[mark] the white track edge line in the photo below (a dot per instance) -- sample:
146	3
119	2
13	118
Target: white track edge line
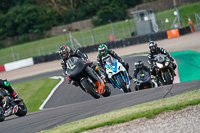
52	91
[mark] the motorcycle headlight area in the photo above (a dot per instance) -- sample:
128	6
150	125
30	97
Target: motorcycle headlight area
166	63
159	65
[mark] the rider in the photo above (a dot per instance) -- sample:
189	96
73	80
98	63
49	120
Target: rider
138	66
65	52
154	50
103	51
6	85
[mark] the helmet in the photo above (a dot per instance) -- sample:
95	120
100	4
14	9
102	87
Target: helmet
64	52
152	46
102	49
139	64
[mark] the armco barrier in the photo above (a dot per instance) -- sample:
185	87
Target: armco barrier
18	64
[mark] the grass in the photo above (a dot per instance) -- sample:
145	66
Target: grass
148	110
122	29
35	92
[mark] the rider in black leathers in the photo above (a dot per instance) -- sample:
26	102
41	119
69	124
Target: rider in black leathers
103	51
154	50
138	66
65	52
6	85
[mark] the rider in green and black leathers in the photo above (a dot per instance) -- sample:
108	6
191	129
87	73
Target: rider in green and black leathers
103	51
6	85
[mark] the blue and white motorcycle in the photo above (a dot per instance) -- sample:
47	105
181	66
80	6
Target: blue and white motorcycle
117	74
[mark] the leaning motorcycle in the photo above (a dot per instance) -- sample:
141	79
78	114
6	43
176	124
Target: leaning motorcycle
10	106
87	78
164	69
117	74
144	81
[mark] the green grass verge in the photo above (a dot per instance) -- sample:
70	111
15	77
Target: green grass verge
35	92
148	110
122	29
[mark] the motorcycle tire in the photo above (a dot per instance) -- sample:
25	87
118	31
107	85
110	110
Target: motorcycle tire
2	117
93	92
22	109
167	78
122	84
107	92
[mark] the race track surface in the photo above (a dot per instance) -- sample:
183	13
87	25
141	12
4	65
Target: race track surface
53	117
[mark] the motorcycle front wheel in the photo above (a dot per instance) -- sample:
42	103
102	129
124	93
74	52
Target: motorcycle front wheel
93	92
122	84
107	92
22	110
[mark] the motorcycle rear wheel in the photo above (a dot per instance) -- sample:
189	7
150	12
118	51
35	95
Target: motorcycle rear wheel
94	93
2	117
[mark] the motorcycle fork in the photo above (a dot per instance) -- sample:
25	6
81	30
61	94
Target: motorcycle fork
170	73
162	76
93	74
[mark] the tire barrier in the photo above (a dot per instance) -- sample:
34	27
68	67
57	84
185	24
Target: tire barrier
46	58
184	30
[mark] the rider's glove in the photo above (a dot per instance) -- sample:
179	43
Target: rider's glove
134	80
88	62
172	59
69	80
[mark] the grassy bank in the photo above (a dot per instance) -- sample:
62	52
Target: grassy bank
35	92
122	29
148	110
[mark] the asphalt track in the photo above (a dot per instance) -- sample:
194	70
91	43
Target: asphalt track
71	103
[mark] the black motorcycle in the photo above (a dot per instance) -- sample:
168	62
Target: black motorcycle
144	81
164	69
10	106
86	78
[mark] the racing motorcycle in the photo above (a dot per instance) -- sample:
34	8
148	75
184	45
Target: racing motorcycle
164	69
10	106
117	74
86	78
144	81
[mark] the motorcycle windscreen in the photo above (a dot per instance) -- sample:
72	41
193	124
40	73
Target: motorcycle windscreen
143	76
112	67
160	58
75	66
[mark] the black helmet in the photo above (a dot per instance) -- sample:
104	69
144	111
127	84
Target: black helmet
152	46
64	52
139	64
102	49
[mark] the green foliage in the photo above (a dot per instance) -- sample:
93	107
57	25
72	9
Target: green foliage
35	16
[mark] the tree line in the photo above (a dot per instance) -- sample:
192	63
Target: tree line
20	17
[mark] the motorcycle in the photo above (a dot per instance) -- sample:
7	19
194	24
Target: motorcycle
164	69
117	74
144	81
10	106
86	78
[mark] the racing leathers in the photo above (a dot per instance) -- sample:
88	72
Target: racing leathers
6	85
151	56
